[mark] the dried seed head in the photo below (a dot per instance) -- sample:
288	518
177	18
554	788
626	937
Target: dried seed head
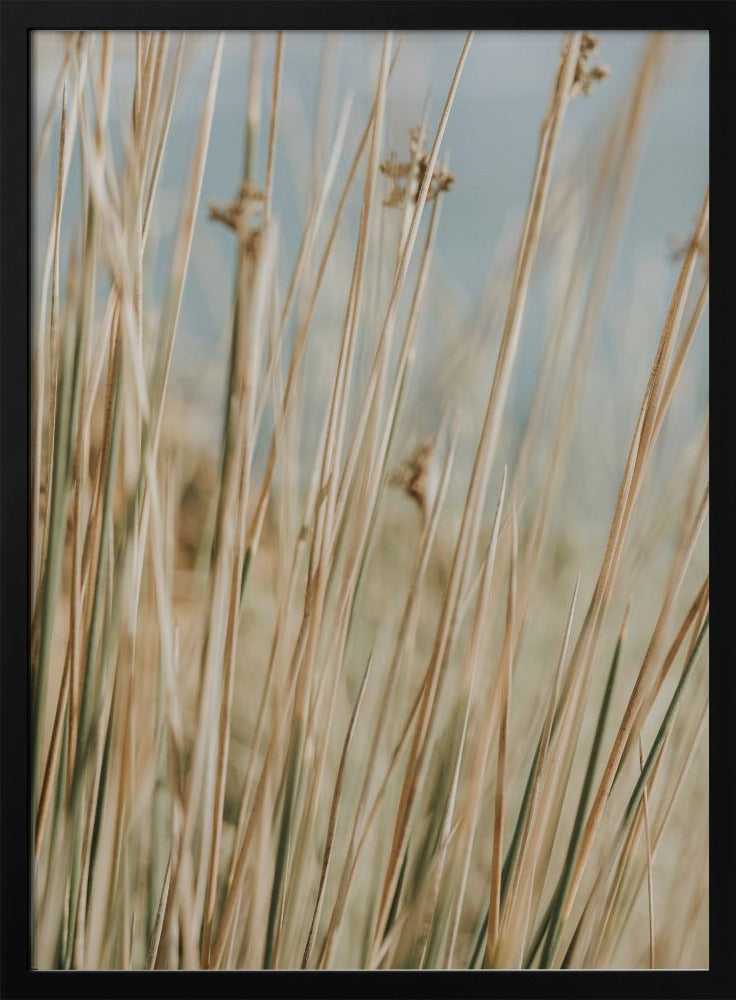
407	177
244	214
588	44
586	76
417	475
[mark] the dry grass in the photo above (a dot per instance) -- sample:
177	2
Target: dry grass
284	717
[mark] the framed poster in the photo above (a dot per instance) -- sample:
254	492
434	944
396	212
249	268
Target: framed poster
359	584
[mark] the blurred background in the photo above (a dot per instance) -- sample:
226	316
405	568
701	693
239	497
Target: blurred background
491	142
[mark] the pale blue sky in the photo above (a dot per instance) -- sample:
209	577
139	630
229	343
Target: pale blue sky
491	137
491	140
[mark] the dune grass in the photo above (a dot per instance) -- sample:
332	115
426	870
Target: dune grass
321	742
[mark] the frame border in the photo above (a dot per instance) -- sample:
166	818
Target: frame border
17	20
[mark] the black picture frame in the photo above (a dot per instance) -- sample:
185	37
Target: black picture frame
17	21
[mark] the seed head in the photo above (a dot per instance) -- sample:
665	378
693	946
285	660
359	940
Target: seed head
407	177
243	214
586	76
416	475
